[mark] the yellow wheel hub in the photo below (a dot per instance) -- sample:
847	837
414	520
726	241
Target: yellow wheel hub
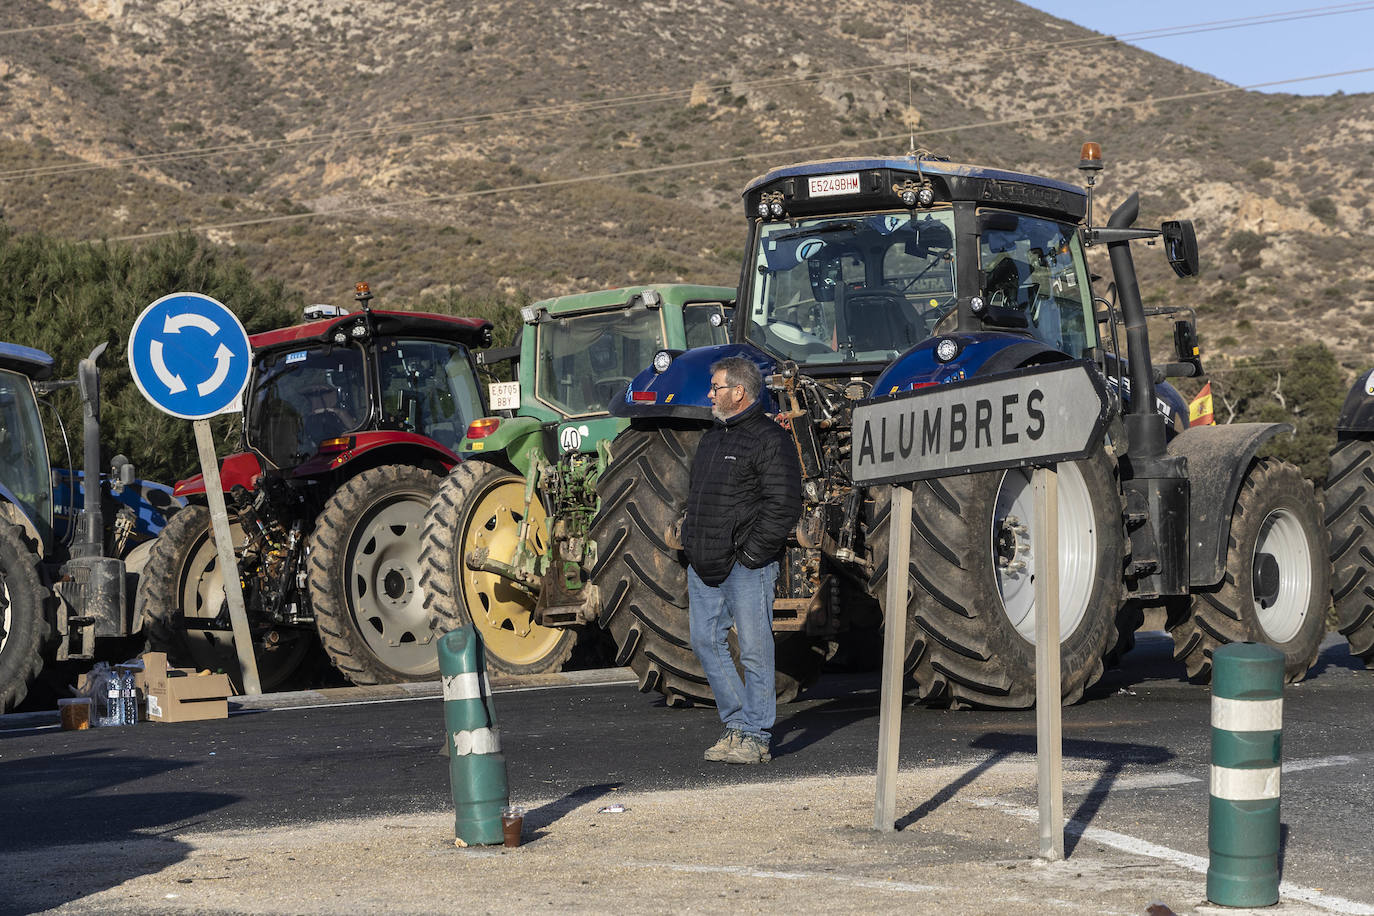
502	612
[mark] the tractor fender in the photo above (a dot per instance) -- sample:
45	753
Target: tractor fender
361	451
517	441
680	390
1218	458
242	468
1356	420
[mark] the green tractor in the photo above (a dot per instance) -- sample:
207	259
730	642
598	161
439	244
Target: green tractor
504	544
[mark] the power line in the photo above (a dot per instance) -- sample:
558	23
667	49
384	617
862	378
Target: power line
573	108
725	160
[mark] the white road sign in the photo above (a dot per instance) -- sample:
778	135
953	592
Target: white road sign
1039	415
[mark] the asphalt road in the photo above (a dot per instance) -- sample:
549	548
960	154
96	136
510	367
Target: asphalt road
1144	729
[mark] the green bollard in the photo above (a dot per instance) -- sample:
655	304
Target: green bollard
477	768
1243	812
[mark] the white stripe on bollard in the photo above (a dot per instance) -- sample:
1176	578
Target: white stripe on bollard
471	685
1247	715
1231	784
477	741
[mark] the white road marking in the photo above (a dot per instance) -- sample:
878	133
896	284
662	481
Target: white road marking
1182	859
746	872
1171	778
1315	763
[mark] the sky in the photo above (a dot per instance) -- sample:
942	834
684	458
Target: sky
1333	37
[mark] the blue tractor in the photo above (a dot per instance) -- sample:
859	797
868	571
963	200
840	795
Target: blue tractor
64	594
870	276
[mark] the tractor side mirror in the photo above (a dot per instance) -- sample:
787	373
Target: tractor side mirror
1180	245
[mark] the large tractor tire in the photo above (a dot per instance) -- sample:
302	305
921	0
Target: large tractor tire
1350	525
643	581
480	504
1277	583
24	627
970	632
364	578
185	611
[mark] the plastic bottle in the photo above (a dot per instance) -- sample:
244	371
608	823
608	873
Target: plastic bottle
129	695
114	701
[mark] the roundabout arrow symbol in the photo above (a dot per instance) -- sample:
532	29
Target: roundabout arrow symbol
174	323
173	382
223	356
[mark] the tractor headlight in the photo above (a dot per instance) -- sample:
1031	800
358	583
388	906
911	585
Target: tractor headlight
662	360
946	349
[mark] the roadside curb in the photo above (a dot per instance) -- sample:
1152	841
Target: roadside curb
339	696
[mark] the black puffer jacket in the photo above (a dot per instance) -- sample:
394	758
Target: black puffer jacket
745	496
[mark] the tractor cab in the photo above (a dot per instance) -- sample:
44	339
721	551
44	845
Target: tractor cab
854	262
25	477
364	374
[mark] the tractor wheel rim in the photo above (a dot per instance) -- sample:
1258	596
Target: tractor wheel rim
1282	546
383	591
1015	557
502	613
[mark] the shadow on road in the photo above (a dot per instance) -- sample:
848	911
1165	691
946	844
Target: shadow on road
536	819
1115	756
81	798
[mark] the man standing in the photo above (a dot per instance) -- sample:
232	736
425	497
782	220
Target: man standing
744	501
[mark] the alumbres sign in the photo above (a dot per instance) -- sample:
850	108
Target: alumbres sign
1039	415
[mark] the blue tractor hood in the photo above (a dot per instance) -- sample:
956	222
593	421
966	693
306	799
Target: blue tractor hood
681	389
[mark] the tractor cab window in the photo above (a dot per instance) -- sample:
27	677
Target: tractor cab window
25	477
300	398
428	388
851	288
706	324
1036	266
585	360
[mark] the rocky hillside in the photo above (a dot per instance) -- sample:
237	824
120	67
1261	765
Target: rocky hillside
497	150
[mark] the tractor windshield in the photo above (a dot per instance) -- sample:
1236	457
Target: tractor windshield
25	478
303	397
585	360
851	288
428	387
1035	266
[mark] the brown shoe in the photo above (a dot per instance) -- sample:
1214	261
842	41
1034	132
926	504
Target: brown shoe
728	741
749	749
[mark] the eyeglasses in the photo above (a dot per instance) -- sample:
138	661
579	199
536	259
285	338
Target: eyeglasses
715	388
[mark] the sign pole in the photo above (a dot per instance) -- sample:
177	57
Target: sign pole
228	563
894	658
1049	739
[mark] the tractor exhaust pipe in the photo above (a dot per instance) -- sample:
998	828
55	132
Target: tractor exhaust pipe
88	381
1144	425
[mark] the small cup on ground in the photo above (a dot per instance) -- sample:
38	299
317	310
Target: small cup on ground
75	713
512	823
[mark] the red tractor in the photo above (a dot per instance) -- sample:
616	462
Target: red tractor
350	421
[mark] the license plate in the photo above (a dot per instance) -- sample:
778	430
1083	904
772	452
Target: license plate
832	185
504	395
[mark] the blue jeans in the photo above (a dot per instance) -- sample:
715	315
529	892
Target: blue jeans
745	601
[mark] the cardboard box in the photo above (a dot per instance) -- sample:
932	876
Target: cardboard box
180	694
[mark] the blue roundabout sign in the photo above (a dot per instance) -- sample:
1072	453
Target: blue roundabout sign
190	356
